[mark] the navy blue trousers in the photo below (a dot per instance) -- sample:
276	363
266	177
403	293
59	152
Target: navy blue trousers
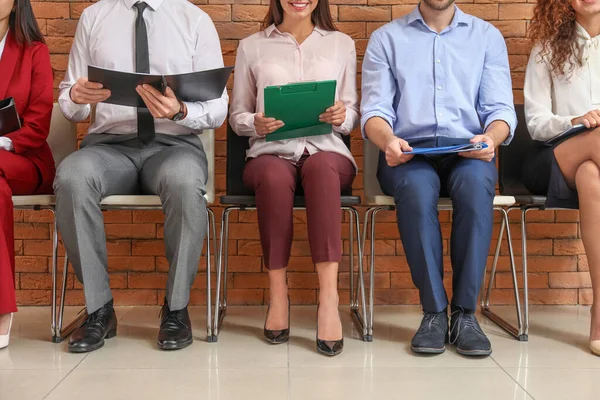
416	187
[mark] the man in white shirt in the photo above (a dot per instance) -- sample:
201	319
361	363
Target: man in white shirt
153	150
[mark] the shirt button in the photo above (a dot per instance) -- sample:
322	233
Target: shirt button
438	61
439	88
440	114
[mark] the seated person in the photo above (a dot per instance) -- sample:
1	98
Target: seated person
438	77
562	89
299	43
153	150
26	163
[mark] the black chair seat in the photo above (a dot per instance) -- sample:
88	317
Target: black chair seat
531	200
299	201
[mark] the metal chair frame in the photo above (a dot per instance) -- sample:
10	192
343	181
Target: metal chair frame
358	309
519	332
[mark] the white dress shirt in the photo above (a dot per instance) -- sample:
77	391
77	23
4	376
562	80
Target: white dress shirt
271	57
551	102
5	143
181	38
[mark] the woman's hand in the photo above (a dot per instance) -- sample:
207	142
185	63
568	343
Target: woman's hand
264	125
335	115
589	120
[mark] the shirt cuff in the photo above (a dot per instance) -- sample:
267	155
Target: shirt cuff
244	125
506	116
70	108
366	117
6	144
194	111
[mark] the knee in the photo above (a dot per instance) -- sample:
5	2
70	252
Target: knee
416	196
74	174
321	164
274	180
185	180
587	176
474	186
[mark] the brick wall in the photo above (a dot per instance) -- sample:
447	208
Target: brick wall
136	261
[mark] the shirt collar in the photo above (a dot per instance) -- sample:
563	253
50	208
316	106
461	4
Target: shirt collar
272	28
154	4
460	18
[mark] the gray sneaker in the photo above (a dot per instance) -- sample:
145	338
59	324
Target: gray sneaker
432	335
467	335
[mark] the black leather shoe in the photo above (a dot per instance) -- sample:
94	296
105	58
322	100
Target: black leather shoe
328	347
466	333
432	335
277	336
100	325
175	329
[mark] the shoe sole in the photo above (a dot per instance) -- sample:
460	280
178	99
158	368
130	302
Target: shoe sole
109	335
427	350
474	353
177	346
277	341
325	353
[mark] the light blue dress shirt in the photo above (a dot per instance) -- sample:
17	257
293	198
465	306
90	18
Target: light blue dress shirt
446	86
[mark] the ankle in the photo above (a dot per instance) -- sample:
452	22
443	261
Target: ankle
329	298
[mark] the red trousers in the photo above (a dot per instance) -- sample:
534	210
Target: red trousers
323	176
19	176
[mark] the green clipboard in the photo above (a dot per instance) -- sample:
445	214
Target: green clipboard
299	105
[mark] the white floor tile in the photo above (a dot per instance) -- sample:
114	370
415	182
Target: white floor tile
405	383
559	384
28	385
127	384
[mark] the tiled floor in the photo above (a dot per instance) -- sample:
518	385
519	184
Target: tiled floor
554	364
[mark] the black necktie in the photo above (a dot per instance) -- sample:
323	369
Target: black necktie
145	121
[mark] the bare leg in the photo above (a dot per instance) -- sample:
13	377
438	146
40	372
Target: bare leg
278	318
588	187
330	326
4	322
579	160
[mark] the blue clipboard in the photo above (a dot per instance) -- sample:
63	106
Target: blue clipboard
461	148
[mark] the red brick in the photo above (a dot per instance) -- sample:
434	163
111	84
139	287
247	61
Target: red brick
129	263
61	27
361	13
516	11
50	9
133	231
147	281
356	30
236	30
218	12
31	264
32	231
568	247
569	280
147	248
246	12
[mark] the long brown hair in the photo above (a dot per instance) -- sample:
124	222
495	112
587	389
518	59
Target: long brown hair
321	15
23	24
553	27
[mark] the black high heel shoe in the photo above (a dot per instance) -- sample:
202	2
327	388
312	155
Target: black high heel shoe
277	336
328	347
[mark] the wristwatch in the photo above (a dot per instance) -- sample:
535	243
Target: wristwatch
179	116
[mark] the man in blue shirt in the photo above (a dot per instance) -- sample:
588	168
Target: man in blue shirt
440	77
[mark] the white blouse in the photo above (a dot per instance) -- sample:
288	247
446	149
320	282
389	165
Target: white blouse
551	102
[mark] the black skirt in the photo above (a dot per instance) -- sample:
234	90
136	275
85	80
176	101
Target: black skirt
542	176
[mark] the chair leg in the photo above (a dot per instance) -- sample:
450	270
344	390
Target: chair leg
222	266
516	332
54	322
63	333
353	304
525	269
210	223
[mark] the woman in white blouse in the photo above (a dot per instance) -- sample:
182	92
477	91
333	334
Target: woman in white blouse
299	43
562	89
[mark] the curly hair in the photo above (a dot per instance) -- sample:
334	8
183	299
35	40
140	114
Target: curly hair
553	28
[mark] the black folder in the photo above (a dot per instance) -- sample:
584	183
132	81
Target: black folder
569	133
9	117
191	87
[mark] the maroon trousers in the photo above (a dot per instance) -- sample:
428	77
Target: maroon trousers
323	176
19	176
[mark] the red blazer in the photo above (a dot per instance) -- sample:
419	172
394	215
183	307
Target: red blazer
26	75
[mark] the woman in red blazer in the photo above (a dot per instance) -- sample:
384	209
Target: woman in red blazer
26	163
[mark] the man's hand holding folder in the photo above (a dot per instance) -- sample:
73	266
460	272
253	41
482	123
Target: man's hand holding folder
86	92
